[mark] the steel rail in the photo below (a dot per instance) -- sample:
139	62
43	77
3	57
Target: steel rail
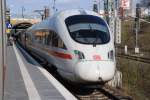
141	59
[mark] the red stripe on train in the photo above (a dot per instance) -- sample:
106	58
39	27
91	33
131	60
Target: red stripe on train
61	55
55	53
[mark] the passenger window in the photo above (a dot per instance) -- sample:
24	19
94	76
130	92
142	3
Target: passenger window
38	36
54	39
49	38
46	37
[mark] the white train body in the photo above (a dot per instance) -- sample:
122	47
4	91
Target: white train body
78	42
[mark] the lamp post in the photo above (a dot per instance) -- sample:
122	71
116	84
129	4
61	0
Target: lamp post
22	12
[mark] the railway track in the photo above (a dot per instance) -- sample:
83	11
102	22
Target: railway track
132	49
105	93
136	58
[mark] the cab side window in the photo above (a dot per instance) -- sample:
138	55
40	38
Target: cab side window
54	40
61	44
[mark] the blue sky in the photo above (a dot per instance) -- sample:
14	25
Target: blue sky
31	5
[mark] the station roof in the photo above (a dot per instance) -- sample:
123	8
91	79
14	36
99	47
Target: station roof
23	25
20	26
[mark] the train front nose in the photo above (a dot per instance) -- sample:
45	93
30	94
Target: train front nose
94	71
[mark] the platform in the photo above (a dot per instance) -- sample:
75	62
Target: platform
25	79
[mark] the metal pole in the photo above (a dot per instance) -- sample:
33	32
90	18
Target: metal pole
54	6
42	15
23	9
136	36
106	10
99	7
46	12
115	16
136	44
2	47
137	28
1	58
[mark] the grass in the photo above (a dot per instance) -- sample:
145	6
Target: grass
136	78
136	75
128	34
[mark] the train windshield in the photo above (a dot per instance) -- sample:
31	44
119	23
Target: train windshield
88	29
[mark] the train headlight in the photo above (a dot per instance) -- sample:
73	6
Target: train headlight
79	54
111	55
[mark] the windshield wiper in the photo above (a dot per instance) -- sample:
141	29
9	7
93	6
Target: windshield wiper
90	27
95	41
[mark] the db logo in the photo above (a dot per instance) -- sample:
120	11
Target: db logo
96	57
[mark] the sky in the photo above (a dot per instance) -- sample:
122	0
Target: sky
31	5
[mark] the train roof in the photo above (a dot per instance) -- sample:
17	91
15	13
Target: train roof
62	15
66	13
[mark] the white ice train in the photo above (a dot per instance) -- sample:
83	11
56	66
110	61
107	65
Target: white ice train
77	42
